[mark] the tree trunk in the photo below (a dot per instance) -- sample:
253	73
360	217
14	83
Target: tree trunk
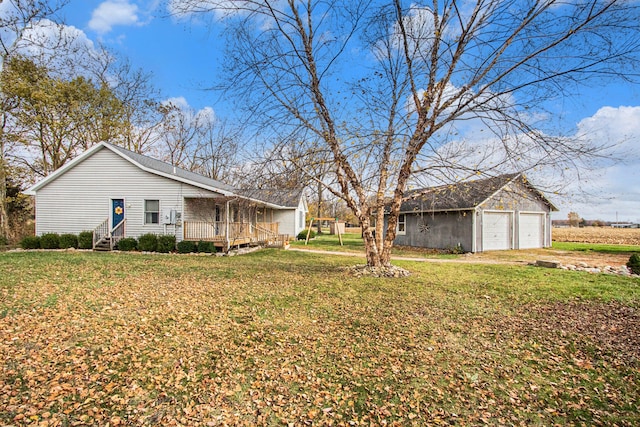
4	220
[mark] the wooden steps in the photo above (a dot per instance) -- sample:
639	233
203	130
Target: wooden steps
104	245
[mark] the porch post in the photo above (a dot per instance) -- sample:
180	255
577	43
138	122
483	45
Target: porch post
227	225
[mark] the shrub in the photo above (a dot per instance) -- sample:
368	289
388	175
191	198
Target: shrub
127	244
85	240
148	242
303	234
30	242
187	247
634	264
457	249
166	243
68	241
50	241
4	241
206	247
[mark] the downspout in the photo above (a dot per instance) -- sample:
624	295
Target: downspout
474	229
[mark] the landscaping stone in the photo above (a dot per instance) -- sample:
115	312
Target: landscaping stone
623	270
548	264
391	271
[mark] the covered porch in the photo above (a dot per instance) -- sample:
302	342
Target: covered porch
229	222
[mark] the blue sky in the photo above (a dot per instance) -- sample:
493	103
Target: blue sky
184	58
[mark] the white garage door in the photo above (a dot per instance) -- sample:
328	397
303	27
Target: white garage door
496	231
530	231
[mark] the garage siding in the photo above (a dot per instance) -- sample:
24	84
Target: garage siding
443	230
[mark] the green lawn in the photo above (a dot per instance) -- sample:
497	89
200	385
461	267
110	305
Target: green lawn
353	243
595	247
280	337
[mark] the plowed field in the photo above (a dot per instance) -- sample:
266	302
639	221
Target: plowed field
601	235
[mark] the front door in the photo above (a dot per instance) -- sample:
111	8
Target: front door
117	212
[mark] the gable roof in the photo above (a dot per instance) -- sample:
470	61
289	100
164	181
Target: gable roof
163	169
143	162
466	195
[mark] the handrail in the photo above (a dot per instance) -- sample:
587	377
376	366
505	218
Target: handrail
117	233
100	231
263	234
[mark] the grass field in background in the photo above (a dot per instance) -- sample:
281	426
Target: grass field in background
280	337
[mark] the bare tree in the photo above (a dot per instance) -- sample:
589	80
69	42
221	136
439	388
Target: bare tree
141	116
216	149
431	68
178	131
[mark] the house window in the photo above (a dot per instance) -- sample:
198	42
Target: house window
301	219
152	211
402	224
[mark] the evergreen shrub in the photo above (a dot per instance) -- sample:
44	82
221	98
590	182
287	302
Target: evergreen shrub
187	247
303	234
68	241
85	240
166	243
634	264
30	242
206	247
50	241
127	244
148	242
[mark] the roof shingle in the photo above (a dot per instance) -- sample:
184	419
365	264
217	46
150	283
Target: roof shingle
461	196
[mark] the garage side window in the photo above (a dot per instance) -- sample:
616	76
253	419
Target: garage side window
402	224
152	211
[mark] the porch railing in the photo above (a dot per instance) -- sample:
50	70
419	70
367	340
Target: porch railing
237	231
100	232
118	232
115	234
265	234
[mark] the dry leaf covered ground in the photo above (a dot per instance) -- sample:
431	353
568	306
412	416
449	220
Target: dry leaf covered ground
288	338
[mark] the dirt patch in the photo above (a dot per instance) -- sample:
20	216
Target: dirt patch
592	259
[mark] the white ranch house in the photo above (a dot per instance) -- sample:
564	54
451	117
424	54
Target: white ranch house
118	193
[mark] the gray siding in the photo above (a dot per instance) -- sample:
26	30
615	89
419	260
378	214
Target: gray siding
441	230
80	198
515	197
445	230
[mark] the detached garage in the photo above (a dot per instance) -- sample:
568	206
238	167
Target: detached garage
499	213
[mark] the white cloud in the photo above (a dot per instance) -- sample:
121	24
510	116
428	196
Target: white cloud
179	102
611	192
111	13
62	48
606	189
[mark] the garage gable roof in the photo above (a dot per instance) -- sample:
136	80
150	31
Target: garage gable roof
464	195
